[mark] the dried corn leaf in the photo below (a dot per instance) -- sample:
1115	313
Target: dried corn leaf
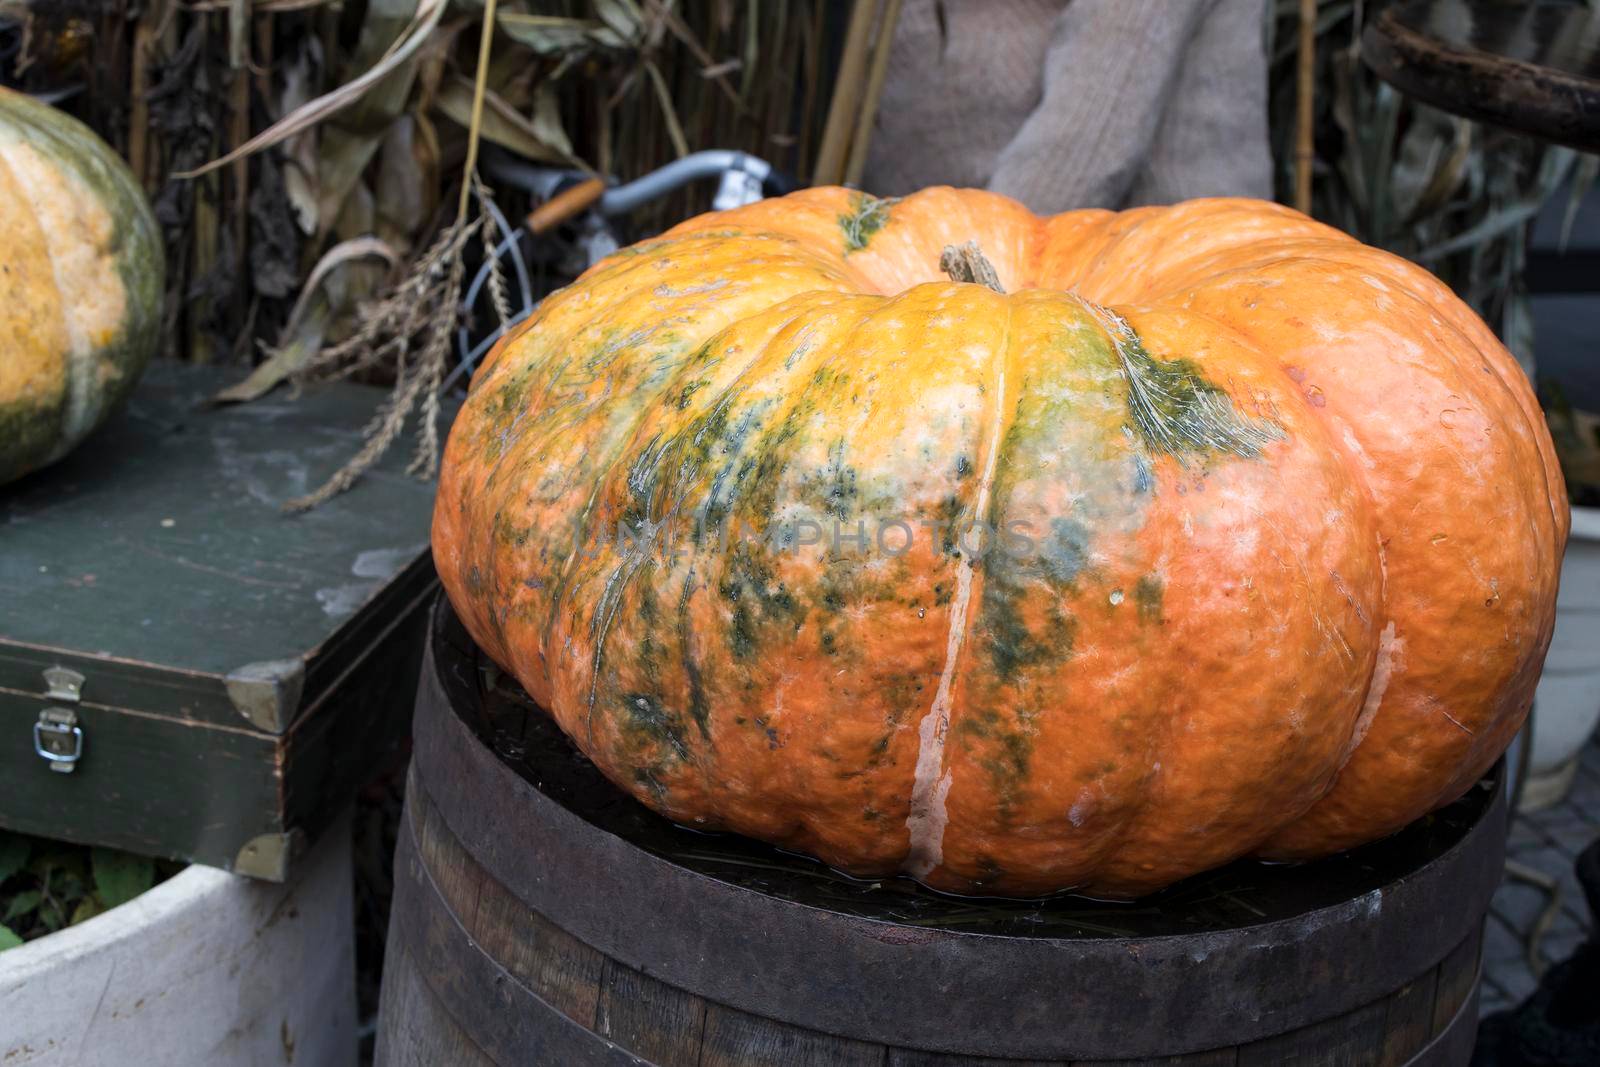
1576	434
1447	176
423	23
669	111
501	123
405	186
342	158
259	6
547	120
309	320
1583	178
300	175
1509	216
555	36
282	363
623	17
350	143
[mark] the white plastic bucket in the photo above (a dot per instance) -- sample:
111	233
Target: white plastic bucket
206	968
1567	703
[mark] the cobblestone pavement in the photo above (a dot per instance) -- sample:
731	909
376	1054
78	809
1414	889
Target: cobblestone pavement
1546	841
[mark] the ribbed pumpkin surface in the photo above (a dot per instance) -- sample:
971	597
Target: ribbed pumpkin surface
80	283
1218	533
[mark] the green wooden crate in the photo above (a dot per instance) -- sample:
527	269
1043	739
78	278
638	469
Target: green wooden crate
226	675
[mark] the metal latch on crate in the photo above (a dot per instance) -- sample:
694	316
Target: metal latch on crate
57	737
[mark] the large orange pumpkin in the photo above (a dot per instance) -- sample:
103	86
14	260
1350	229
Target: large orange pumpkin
1216	533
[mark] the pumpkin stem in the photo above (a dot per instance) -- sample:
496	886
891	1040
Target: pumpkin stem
967	263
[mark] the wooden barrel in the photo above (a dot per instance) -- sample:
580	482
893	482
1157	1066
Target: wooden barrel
542	917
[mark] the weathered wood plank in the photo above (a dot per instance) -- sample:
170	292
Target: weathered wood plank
905	1057
553	964
734	1039
562	970
510	1023
1458	976
417	1031
653	1020
457	875
1222	1057
1348	1040
1410	1022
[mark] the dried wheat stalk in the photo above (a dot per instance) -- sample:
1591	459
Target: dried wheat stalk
424	304
408	328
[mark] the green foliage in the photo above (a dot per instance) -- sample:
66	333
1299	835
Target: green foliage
13	854
1577	439
22	903
121	876
47	885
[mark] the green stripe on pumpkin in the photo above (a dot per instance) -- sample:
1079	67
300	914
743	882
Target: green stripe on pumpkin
867	215
1175	409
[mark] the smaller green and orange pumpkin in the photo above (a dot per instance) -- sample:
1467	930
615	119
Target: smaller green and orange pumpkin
81	281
